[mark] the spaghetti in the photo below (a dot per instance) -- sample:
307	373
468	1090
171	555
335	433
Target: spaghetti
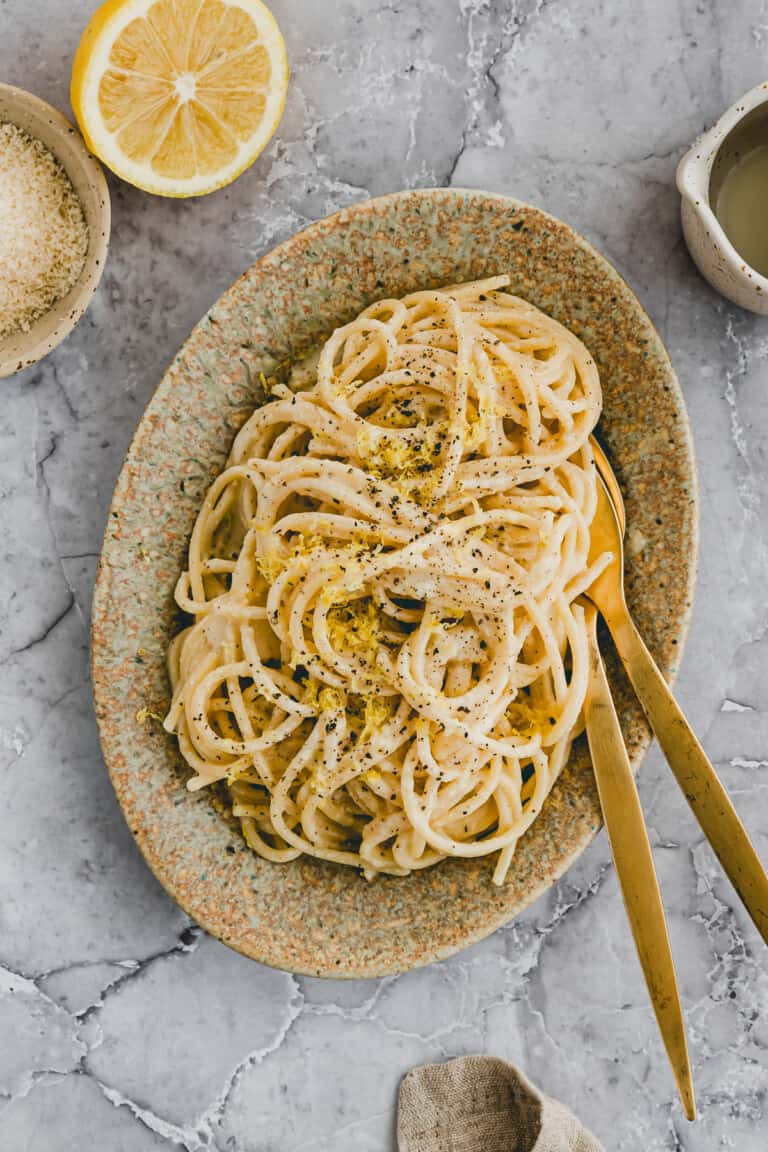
388	659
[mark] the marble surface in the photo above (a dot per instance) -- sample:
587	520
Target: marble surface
124	1027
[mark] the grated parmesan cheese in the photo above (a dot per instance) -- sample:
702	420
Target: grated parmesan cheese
43	234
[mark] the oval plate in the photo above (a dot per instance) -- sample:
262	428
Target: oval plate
308	916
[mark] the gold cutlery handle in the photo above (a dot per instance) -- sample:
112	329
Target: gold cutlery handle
693	771
635	869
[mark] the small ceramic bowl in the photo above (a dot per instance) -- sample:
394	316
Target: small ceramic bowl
20	349
699	178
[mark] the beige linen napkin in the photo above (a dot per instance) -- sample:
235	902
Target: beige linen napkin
481	1104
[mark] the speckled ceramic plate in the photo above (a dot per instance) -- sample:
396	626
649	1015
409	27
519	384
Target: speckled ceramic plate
309	916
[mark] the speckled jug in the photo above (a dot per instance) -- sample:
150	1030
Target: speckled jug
715	256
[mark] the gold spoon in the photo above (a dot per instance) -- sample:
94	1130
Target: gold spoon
694	773
609	479
633	860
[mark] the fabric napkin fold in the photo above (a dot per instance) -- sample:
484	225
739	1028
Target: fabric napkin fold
481	1104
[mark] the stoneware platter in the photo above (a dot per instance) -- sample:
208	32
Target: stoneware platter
309	916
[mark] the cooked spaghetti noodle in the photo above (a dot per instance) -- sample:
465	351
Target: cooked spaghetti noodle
388	661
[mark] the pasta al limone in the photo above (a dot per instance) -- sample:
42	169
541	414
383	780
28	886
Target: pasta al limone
388	659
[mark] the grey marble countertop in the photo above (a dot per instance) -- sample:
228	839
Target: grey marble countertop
125	1028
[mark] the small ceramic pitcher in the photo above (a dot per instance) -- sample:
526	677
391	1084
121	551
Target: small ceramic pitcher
698	181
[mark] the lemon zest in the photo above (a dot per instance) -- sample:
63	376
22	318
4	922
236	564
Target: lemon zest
144	714
527	719
323	698
410	467
355	625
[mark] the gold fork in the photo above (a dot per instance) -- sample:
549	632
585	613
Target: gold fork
692	769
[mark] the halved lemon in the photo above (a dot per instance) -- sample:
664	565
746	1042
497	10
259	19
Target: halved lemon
179	96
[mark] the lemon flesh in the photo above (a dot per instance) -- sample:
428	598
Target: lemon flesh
179	96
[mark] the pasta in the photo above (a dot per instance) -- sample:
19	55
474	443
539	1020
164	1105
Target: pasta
388	659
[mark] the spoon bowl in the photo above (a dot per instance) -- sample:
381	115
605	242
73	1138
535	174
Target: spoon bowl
607	590
608	477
